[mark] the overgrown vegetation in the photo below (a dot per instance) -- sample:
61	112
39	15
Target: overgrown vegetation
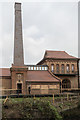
30	109
72	114
79	104
41	108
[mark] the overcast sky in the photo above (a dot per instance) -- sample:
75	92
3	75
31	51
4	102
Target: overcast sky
46	26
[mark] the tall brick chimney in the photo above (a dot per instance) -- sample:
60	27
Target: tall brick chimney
18	69
18	39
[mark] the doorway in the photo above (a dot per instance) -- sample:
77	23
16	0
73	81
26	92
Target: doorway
19	87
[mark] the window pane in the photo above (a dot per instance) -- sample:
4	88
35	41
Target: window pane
37	68
52	68
34	68
72	68
28	68
67	68
46	68
57	68
62	68
31	68
40	68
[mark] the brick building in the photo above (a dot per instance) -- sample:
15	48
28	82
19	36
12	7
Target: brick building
57	70
63	66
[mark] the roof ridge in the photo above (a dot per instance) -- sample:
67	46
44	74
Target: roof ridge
54	51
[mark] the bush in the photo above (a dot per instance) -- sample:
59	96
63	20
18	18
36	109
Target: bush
32	109
79	104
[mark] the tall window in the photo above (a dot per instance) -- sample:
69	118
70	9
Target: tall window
67	68
72	67
62	68
52	68
57	68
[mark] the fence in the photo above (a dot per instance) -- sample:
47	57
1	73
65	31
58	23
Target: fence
57	96
31	92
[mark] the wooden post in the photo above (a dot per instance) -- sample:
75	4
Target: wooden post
67	97
6	100
53	98
71	98
34	97
61	86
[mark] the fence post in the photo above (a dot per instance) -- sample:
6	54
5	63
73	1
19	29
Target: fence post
61	86
67	97
61	99
53	98
34	97
6	100
78	96
70	97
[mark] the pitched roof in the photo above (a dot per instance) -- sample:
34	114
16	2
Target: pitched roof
4	71
41	76
58	55
34	76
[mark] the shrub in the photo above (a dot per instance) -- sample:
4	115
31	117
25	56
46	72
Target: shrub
32	109
79	104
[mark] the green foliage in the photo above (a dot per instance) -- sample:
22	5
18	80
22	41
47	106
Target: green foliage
79	104
68	104
32	109
60	105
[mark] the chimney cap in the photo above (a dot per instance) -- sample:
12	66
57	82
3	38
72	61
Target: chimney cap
17	3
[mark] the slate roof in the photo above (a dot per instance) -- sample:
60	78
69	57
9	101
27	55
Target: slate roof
58	54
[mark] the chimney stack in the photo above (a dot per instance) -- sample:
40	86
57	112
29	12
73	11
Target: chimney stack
18	39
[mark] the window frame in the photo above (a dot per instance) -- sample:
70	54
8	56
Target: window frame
67	68
52	67
57	68
62	68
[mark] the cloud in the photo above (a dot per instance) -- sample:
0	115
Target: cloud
7	50
51	26
31	31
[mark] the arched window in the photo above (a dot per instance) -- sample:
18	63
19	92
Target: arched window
57	68
72	67
67	68
62	68
66	83
52	68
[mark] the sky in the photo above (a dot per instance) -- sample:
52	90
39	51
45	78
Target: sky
46	26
